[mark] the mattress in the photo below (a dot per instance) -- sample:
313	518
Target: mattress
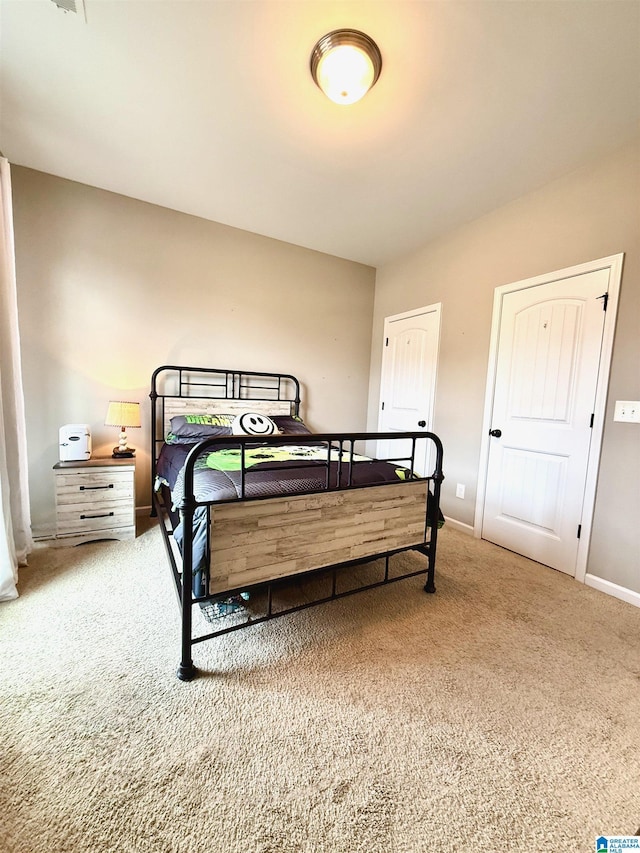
270	470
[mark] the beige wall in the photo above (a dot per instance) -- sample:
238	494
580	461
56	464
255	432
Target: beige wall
107	285
587	215
109	288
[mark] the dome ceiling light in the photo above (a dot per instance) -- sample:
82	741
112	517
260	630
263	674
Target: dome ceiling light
345	64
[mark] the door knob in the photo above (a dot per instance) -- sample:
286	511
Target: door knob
496	433
422	423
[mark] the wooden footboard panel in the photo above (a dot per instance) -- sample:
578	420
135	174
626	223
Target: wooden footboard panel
263	540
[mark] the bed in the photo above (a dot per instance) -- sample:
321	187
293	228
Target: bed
251	503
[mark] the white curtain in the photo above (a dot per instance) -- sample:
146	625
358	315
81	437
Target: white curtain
15	533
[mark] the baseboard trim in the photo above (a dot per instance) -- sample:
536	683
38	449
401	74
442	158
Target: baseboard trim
459	525
44	535
609	588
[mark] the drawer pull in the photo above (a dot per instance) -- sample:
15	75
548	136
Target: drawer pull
93	488
102	515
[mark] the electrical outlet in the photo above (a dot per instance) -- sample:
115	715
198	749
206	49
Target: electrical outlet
460	491
628	411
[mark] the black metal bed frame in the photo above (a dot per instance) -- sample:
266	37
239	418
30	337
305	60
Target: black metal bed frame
233	385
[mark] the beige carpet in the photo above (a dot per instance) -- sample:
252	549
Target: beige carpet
503	713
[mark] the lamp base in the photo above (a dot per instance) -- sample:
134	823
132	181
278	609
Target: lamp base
118	453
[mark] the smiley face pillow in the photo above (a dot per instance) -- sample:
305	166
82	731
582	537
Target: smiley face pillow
252	423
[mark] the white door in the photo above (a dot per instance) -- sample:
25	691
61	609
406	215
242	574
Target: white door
408	382
548	358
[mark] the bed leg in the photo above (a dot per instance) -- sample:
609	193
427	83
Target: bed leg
430	585
187	672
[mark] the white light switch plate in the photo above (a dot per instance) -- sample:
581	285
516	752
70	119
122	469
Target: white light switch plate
627	410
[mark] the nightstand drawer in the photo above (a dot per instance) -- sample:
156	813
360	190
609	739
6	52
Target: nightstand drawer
94	487
81	519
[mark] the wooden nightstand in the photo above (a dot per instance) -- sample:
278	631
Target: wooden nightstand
95	500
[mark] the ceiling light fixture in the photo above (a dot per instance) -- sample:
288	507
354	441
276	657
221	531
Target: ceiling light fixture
345	64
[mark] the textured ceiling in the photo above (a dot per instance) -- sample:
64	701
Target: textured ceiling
208	107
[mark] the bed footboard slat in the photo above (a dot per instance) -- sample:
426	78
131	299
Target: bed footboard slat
289	535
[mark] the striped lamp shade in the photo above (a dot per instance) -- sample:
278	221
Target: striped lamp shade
123	414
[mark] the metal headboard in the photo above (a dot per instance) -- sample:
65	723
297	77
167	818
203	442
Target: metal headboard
178	389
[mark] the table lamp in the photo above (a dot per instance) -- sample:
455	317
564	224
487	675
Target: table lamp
123	415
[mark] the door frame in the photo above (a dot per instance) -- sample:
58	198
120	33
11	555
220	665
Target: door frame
612	263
